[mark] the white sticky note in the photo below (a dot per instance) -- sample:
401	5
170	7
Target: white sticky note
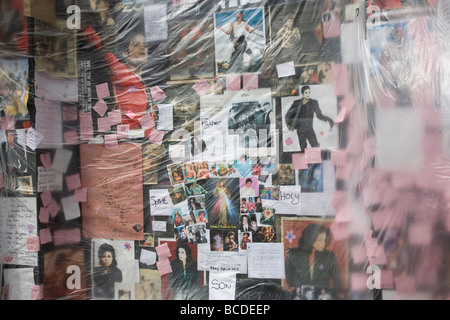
71	208
61	159
159	226
165	117
147	257
222	285
286	69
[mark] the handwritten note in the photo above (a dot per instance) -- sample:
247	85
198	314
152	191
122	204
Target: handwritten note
266	260
113	178
49	178
160	202
222	285
286	69
18	220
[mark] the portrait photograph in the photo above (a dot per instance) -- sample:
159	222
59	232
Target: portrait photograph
176	173
177	194
191	49
313	126
239	40
185	278
301	237
149	285
296	33
112	267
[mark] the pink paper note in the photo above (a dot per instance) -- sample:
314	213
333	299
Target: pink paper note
338	158
420	233
164	266
130	114
111	141
341	116
358	253
313	155
233	82
100	107
250	82
37	292
163	251
66	236
341	82
103	125
86	126
45	236
157	93
102	90
201	87
299	161
46	160
54	208
405	284
46	198
358	281
44	214
7	123
156	136
332	29
73	181
340	231
122	131
348	102
69	113
33	243
71	137
147	122
115	117
80	195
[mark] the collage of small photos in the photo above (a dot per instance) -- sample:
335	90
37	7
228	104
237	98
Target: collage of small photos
154	148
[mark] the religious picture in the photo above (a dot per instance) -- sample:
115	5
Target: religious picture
222	202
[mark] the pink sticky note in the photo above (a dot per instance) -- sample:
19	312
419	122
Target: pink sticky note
7	123
358	253
157	93
111	141
164	266
313	155
100	107
358	281
348	102
46	160
299	161
102	90
69	113
385	281
250	81
71	137
201	87
86	126
33	243
122	131
233	82
147	122
66	236
54	208
340	231
130	114
338	158
115	117
73	181
341	82
46	198
37	292
405	284
156	136
331	29
420	233
45	236
80	195
103	125
341	116
163	251
44	214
